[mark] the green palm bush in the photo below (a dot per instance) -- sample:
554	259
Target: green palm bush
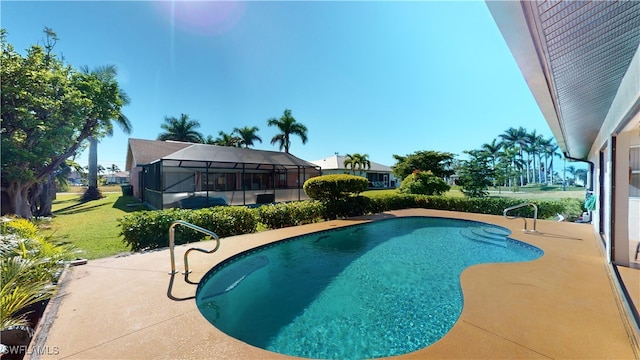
29	266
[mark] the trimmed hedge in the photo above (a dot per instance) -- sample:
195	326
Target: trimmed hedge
334	187
275	216
570	208
423	182
147	230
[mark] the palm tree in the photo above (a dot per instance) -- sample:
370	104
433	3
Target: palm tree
533	147
287	126
182	129
550	152
247	135
516	138
362	161
107	75
114	168
493	152
350	162
225	139
359	161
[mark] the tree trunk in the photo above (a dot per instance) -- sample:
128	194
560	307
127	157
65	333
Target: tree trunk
42	198
93	193
18	199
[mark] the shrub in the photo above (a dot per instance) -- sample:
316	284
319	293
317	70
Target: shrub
334	187
347	207
150	229
424	183
275	216
570	208
29	266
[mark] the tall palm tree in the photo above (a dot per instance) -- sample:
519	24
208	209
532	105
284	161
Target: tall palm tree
532	147
516	138
181	129
493	152
287	126
247	135
551	152
107	75
225	139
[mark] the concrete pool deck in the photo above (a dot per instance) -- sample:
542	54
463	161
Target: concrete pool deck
563	305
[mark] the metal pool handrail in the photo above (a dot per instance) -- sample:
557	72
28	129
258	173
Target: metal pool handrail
535	215
172	244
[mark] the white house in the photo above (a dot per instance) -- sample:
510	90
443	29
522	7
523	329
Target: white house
379	176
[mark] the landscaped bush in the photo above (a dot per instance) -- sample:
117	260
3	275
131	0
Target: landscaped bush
569	208
347	207
423	183
29	267
275	216
333	187
150	229
336	192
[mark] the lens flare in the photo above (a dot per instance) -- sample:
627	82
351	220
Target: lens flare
202	17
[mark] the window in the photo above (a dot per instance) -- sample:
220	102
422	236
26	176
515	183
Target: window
634	171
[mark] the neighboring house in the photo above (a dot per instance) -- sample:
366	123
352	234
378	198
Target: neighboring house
581	61
379	176
120	177
75	178
168	174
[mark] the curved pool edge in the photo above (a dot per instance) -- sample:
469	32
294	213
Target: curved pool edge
489	289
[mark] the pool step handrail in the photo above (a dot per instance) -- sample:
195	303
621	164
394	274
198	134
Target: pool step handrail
172	237
535	215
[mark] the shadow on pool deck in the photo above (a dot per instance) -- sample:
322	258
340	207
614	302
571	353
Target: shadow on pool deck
563	305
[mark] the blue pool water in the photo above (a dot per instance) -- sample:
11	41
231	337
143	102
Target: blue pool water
379	289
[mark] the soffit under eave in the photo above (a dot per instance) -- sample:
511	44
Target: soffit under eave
512	21
624	114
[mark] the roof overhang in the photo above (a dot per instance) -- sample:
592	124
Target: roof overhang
577	58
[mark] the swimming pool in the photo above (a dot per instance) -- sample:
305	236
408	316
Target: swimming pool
378	289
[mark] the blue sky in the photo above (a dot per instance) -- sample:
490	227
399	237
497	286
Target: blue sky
379	78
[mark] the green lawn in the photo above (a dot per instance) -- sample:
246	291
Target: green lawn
91	227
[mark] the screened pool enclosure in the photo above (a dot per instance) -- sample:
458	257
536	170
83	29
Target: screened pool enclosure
201	175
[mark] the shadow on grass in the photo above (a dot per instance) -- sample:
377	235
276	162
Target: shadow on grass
77	208
129	204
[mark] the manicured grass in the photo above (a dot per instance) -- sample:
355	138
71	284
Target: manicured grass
104	189
91	227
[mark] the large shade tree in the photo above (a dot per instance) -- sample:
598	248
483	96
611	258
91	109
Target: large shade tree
181	129
439	163
48	110
288	126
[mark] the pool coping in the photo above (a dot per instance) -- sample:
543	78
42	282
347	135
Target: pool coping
118	307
